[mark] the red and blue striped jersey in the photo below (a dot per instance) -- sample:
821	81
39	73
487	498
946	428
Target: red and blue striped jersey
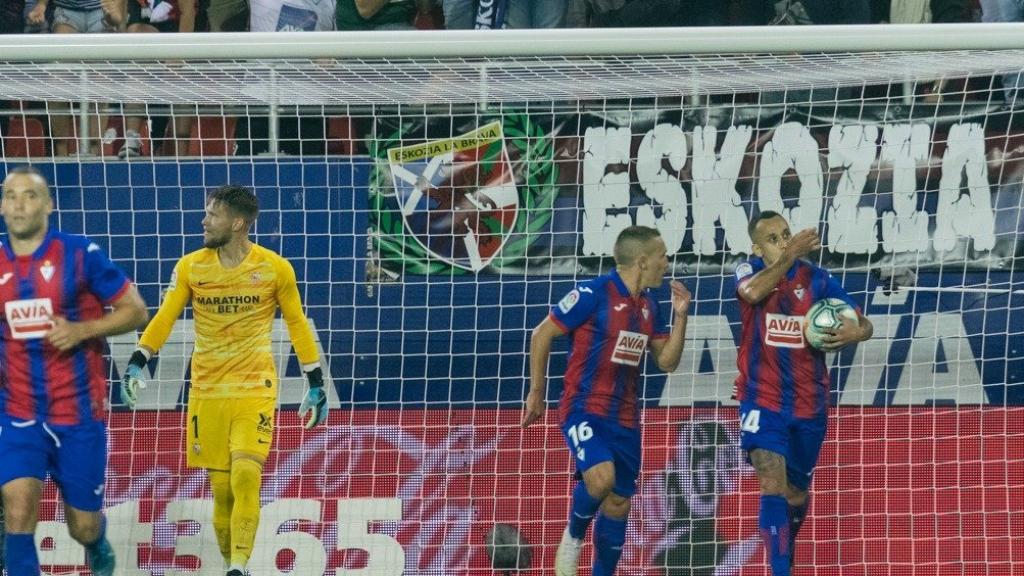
66	276
609	331
778	370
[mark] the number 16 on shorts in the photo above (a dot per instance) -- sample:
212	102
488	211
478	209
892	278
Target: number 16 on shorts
579	434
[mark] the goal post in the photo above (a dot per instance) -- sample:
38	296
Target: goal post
438	192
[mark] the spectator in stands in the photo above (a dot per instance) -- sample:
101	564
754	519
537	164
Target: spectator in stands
12	21
224	15
379	14
921	12
757	12
150	17
292	15
69	17
1006	11
646	13
305	134
488	14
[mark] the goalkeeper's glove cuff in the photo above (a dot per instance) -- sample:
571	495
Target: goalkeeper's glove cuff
315	377
139	358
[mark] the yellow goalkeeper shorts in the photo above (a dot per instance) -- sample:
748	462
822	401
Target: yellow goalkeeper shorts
218	427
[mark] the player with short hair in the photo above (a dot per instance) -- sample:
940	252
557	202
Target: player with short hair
235	287
783	383
612	320
55	289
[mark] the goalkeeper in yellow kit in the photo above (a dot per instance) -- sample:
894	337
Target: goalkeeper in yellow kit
235	288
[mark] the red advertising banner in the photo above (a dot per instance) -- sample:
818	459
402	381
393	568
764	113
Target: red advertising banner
898	491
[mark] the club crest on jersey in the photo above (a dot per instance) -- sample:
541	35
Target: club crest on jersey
783	331
458	195
29	319
568	301
629	348
646	312
47	270
799	291
255	277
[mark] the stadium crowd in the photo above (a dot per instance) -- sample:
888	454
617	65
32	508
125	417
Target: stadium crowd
34	129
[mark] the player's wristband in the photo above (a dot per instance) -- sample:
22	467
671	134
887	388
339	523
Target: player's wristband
315	377
139	358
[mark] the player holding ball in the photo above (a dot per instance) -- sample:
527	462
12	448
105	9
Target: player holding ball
783	382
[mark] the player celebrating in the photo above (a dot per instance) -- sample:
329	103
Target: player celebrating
612	320
53	391
783	383
235	287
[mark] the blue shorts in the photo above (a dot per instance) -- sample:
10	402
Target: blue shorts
593	440
75	456
798	440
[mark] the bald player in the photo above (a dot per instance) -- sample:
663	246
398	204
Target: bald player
235	288
61	296
612	321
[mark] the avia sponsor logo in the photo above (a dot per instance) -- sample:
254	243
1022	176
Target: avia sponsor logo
629	348
230	304
29	319
783	331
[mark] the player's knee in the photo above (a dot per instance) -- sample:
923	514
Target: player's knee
21	511
83	529
600	480
246	476
615	506
771	486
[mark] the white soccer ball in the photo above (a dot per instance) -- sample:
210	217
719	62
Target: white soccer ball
826	315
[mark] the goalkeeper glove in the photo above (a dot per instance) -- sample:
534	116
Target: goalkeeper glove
314	402
132	380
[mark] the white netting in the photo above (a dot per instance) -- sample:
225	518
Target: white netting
429	239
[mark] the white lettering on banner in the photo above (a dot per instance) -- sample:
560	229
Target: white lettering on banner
924	375
869	362
792	147
851	227
168	377
925	378
784	331
385	556
629	348
905	228
30	318
705	335
964	215
603	190
664	142
714	189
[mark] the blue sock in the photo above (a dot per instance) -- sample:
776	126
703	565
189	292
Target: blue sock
20	555
609	536
797	514
773	521
584	506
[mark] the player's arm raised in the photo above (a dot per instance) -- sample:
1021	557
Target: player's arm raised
540	350
760	285
668	351
313	410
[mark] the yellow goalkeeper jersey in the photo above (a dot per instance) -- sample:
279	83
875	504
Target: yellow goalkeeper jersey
234	310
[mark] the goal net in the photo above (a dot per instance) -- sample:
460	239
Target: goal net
438	193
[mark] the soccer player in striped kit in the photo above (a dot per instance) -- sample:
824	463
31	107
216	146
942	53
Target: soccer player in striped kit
55	289
612	320
783	383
